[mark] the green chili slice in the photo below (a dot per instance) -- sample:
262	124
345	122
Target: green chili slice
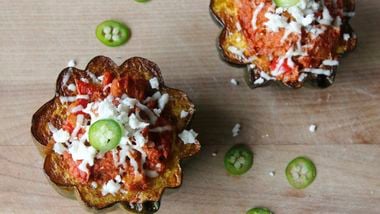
238	160
286	3
259	210
105	134
301	172
112	33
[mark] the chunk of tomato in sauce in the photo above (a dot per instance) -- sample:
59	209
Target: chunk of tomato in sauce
135	180
68	127
86	88
116	88
284	66
73	167
79	102
107	78
133	87
153	155
104	169
70	123
82	102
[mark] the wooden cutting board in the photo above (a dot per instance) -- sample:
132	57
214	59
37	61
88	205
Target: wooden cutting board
38	38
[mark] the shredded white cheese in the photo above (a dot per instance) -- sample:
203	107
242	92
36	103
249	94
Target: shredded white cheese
318	71
100	78
86	154
156	95
84	80
130	102
338	21
265	76
302	77
124	147
59	148
151	173
346	37
161	129
111	187
139	139
315	31
61	136
312	128
237	52
78	126
118	178
255	14
326	17
94	185
52	128
259	81
293	27
164	99
135	123
64	99
188	136
106	109
93	77
236	130
184	114
238	26
77	108
154	83
148	112
82	96
234	81
66	78
71	63
72	87
275	22
330	62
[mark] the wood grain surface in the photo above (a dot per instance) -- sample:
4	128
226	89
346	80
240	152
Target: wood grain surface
39	37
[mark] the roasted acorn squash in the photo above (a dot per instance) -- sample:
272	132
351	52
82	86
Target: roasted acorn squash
55	113
246	41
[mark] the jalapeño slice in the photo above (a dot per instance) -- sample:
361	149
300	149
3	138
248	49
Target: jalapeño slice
286	3
105	134
301	172
238	160
112	33
259	210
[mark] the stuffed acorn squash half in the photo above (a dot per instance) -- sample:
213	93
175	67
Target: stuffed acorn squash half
286	41
115	134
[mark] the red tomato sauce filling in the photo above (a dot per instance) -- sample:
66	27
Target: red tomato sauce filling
263	43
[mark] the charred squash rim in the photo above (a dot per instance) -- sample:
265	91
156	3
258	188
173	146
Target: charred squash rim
42	138
319	81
